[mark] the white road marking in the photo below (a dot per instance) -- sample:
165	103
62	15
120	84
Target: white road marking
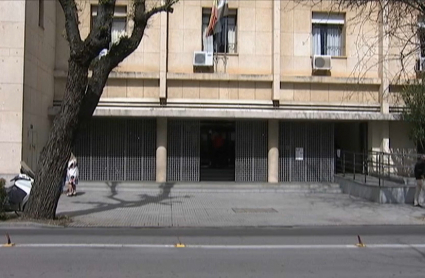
93	245
257	247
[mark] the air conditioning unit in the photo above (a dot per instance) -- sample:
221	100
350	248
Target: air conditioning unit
321	62
202	58
420	64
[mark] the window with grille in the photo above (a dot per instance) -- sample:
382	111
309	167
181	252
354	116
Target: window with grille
421	35
224	41
119	24
328	34
420	62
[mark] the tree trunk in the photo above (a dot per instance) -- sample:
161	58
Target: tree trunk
54	157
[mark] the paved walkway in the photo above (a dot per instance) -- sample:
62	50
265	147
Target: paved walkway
227	205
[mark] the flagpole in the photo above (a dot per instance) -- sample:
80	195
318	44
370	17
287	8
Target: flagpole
215	4
226	47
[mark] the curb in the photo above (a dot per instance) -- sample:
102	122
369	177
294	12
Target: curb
84	226
331	190
17	224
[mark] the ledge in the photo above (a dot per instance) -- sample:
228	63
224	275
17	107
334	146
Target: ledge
117	74
133	75
330	80
248	111
240	113
404	81
220	77
396	109
234	77
235	103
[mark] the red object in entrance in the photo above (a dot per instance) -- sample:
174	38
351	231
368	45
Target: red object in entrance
218	141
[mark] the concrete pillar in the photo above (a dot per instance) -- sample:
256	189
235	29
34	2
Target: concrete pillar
379	136
276	51
383	65
163	57
273	154
161	150
379	141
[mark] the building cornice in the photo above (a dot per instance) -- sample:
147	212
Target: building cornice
331	80
220	77
116	74
236	109
242	113
235	77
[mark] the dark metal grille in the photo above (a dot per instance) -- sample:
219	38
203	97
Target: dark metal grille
327	166
83	151
317	142
99	133
313	145
298	171
117	149
251	151
141	150
183	154
285	161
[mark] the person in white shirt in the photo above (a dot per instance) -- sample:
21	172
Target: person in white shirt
72	178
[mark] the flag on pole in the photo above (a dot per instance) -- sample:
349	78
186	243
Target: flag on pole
218	10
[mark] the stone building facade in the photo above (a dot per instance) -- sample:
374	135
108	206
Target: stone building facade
267	108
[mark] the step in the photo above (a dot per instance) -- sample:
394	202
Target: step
217	187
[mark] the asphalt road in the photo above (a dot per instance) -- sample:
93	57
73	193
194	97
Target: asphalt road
392	251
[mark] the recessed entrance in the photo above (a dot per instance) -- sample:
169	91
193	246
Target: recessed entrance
217	151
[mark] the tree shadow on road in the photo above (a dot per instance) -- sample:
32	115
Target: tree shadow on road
163	198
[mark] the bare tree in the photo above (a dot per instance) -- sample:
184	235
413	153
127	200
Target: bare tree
394	20
400	42
390	40
82	93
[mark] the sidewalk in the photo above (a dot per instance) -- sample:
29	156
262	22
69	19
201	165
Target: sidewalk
227	205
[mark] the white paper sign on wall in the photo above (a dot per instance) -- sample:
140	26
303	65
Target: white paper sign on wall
299	154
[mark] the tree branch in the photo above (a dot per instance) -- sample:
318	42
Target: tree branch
118	53
166	7
73	36
128	45
100	35
93	92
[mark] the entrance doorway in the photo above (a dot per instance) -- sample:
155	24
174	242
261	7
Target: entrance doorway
352	138
217	151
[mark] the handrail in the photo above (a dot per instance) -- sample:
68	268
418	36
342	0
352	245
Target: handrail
382	165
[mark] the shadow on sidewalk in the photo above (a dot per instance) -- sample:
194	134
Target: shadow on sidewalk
145	199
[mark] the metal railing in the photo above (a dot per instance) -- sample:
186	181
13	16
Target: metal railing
394	167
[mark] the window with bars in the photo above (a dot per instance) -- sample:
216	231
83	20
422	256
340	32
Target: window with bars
226	40
420	62
421	35
328	34
119	24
